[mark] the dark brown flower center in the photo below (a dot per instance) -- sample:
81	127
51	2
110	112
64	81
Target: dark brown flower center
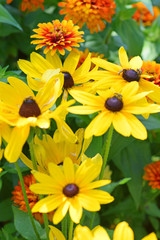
131	75
68	80
71	190
29	108
115	103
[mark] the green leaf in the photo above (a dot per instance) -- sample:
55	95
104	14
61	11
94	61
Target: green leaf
5	210
6	17
95	147
150	123
24	227
130	34
152	210
131	162
110	187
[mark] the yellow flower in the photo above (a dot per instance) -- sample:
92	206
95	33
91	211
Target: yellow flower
90	12
57	36
98	233
121	232
115	107
40	69
56	149
128	71
21	108
71	187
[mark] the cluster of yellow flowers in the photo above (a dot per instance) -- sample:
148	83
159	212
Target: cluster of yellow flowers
64	174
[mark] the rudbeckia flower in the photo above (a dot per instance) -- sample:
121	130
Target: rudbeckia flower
18	198
128	71
57	35
56	149
22	109
152	174
71	187
115	107
39	69
55	234
90	12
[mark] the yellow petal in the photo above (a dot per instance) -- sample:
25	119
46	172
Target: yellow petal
123	231
47	204
82	232
137	128
107	65
123	58
34	84
88	202
149	86
121	124
39	62
68	168
17	140
100	233
55	233
97	184
54	60
71	62
28	68
75	210
101	196
60	213
84	68
57	174
151	236
136	63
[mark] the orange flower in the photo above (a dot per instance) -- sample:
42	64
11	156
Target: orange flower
144	15
152	69
33	198
152	174
83	56
30	5
57	36
91	12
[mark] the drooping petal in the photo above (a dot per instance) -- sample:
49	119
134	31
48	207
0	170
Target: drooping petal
75	209
60	213
17	140
121	124
137	128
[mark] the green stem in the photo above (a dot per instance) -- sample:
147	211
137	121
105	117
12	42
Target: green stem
92	220
70	234
106	153
31	149
64	226
45	218
107	37
26	200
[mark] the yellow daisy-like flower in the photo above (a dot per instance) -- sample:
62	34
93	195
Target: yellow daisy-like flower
115	107
90	12
128	71
71	187
57	36
56	149
21	108
40	69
